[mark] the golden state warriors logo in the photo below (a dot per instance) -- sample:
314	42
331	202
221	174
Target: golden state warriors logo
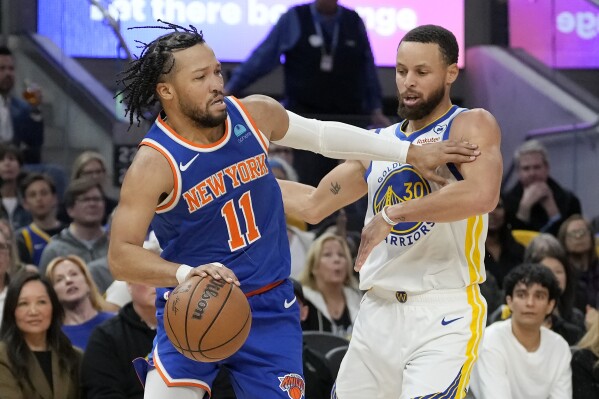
400	183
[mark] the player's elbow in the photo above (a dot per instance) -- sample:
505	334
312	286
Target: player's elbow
115	266
486	201
314	215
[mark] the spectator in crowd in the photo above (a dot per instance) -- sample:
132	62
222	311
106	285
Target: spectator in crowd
7	268
21	122
15	260
576	236
84	306
85	236
502	252
36	358
566	319
585	365
537	202
330	286
11	174
107	371
320	40
91	165
38	193
519	358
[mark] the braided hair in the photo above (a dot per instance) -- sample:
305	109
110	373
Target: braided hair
139	80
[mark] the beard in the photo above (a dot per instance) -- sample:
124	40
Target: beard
202	119
420	111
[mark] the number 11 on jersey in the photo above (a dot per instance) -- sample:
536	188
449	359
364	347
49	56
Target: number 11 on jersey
237	239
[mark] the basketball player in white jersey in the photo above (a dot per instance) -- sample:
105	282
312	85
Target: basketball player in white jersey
421	321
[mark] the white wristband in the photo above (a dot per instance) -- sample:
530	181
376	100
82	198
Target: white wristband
386	217
182	272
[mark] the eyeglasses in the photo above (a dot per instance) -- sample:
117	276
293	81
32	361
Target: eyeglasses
578	233
88	200
92	172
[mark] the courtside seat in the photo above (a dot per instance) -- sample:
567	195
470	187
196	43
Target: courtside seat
524	237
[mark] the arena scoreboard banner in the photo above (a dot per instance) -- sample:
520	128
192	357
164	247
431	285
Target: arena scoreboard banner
561	33
232	27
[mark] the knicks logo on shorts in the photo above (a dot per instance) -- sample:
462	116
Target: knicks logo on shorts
401	183
293	384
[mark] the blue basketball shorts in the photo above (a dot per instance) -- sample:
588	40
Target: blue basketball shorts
268	365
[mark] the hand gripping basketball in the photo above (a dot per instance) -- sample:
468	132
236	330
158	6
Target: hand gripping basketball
207	319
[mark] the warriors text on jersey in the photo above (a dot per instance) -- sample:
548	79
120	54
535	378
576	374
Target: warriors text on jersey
420	256
226	206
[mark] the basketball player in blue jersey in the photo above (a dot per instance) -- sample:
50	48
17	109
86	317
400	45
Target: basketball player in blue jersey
421	321
201	180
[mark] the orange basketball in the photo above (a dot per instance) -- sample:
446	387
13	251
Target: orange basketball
207	319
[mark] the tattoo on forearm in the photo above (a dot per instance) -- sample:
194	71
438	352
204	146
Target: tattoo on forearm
335	188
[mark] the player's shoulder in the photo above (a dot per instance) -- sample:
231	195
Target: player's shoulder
475	115
259	102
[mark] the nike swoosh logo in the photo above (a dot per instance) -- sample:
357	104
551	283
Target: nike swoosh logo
183	168
446	322
288	304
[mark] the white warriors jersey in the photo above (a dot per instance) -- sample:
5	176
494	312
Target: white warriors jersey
421	256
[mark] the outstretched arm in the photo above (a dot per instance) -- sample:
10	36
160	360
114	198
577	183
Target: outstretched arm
476	194
342	186
342	141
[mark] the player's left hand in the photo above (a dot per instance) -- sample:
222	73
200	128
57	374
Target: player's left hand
217	271
372	234
428	157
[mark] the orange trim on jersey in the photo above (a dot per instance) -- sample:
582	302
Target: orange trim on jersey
264	289
251	120
173	170
191	143
181	383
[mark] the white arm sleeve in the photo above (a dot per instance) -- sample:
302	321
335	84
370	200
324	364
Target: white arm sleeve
341	141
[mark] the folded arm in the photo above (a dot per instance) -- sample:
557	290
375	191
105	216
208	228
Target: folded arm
476	194
342	186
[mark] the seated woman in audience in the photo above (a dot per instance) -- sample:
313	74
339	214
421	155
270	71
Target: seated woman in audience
8	267
577	238
565	320
36	358
585	365
330	287
84	306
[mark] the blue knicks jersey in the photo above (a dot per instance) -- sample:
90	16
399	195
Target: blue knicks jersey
226	205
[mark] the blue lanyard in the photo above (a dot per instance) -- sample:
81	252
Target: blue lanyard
318	28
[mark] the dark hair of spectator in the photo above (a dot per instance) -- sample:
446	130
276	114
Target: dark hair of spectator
31	178
11	149
79	187
565	302
17	349
5	51
155	62
438	35
529	274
